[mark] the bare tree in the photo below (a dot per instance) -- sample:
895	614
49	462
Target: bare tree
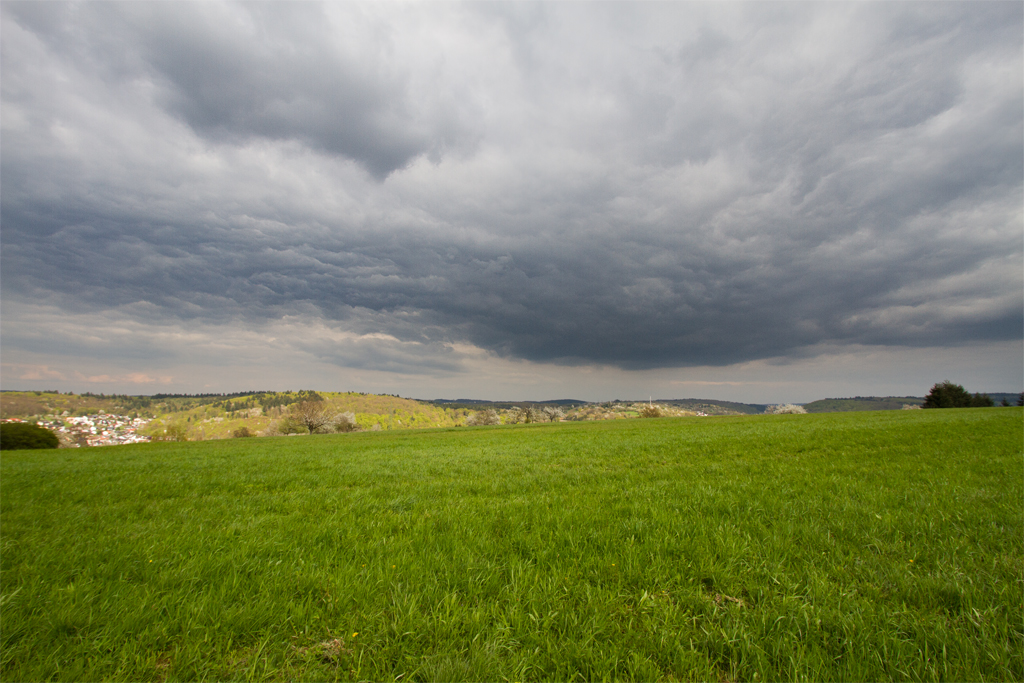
314	415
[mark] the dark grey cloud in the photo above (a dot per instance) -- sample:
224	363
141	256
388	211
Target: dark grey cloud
635	185
261	70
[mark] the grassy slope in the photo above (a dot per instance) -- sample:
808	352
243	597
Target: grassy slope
390	412
29	403
862	546
205	418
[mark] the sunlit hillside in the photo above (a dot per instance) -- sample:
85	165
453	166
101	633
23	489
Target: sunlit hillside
197	418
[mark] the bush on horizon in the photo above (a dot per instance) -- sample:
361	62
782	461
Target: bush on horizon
948	395
651	411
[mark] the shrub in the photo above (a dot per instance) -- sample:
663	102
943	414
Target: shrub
346	422
286	425
650	410
242	432
176	431
22	436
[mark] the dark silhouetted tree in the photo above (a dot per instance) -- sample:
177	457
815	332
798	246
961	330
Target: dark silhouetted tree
949	395
981	401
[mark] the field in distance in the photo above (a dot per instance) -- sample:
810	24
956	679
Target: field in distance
843	546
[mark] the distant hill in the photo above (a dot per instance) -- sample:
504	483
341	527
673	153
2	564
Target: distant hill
711	407
24	404
478	404
846	405
217	416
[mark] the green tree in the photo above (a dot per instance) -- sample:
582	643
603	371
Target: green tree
949	395
176	431
981	401
21	435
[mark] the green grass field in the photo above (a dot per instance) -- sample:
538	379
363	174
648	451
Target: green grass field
849	546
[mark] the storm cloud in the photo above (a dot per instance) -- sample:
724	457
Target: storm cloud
629	185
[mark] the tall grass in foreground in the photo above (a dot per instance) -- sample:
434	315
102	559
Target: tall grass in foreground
865	546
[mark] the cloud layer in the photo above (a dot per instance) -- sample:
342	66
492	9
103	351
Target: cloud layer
637	186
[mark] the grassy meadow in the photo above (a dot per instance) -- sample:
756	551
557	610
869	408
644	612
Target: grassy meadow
846	546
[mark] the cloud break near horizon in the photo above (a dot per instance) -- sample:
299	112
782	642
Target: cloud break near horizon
761	202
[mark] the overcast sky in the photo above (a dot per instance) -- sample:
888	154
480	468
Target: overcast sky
759	202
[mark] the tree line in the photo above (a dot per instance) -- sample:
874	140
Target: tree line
948	395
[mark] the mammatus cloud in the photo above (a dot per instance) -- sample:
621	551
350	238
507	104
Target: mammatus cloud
620	185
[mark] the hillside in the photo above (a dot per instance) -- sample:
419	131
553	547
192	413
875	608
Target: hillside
27	404
267	414
219	416
24	404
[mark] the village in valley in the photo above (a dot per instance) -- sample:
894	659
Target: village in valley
101	429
